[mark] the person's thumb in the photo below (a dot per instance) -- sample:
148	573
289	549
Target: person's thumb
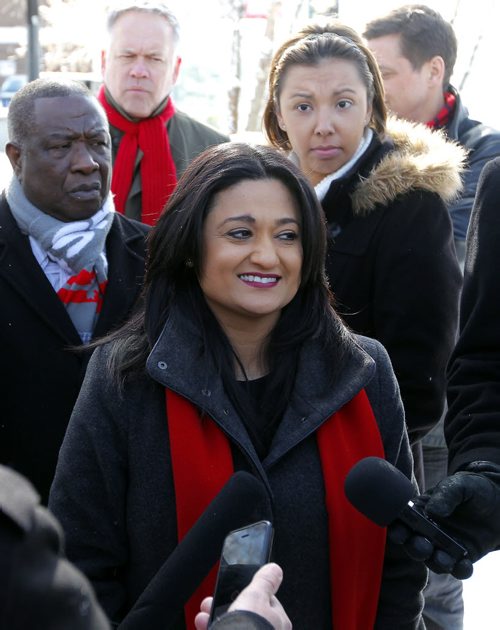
268	578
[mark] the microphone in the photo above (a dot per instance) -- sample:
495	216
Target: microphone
244	499
384	494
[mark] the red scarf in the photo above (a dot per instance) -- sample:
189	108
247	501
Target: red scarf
158	173
202	463
445	113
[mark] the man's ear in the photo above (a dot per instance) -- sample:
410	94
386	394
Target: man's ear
14	154
177	67
437	70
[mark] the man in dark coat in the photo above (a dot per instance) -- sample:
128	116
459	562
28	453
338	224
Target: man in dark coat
470	498
467	502
472	423
70	267
416	50
152	142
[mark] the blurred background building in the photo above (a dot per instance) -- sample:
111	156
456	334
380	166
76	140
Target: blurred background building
227	46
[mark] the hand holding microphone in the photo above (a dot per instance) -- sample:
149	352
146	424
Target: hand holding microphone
467	504
386	496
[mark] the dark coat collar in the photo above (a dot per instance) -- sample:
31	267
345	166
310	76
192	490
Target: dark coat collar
125	247
177	362
460	115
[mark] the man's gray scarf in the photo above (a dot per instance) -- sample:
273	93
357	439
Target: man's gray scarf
75	245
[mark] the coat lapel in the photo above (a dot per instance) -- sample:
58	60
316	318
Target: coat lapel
19	268
125	248
171	364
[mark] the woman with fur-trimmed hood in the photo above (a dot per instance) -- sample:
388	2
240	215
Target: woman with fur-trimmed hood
384	186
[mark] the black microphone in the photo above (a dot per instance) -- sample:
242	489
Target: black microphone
384	494
243	500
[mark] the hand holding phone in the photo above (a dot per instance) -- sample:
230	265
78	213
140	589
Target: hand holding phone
244	551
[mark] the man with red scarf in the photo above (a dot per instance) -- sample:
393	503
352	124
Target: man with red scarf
416	50
152	142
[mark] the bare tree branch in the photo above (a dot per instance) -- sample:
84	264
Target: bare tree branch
477	45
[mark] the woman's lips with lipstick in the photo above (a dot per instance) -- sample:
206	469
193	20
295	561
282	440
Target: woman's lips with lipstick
259	280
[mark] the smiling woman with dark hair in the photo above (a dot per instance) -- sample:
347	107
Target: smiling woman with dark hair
238	362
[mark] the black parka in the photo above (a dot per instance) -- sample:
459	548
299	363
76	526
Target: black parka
391	259
472	424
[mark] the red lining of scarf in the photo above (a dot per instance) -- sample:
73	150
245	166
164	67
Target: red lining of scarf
71	293
158	172
202	464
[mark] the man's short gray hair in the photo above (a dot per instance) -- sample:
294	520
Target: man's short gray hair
157	8
21	114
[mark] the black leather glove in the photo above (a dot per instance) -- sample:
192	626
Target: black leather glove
467	507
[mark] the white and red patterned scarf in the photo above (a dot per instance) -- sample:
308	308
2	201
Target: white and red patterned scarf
78	247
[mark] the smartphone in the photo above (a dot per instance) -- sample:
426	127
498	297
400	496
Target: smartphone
244	551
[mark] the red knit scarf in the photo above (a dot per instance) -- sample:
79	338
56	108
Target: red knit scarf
202	463
158	173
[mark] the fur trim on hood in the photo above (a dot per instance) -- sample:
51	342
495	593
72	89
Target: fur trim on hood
422	159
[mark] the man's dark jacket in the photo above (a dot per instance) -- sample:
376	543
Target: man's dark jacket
40	376
483	144
39	588
472	425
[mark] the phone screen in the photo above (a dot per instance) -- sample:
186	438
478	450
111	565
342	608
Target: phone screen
244	551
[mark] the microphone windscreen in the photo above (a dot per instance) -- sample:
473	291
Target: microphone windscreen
243	500
378	490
